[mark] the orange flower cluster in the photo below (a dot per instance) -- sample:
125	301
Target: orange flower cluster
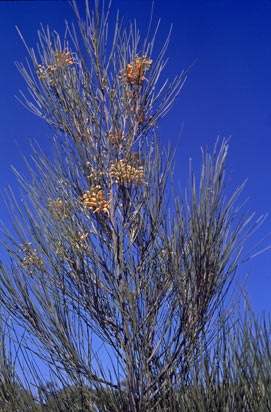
63	59
58	208
128	171
31	259
94	199
134	73
116	137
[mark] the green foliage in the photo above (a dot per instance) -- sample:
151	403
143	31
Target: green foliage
96	258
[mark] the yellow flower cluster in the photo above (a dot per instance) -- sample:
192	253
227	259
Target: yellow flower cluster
81	241
94	199
62	59
58	208
94	174
45	72
128	171
134	73
31	258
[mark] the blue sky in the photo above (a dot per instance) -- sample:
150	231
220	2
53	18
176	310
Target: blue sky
227	93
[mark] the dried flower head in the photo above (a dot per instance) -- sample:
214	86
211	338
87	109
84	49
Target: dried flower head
94	199
134	73
144	119
116	137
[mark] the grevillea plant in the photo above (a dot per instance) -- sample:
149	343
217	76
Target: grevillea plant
97	260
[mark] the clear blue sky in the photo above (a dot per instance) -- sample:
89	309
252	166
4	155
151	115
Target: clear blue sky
227	93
